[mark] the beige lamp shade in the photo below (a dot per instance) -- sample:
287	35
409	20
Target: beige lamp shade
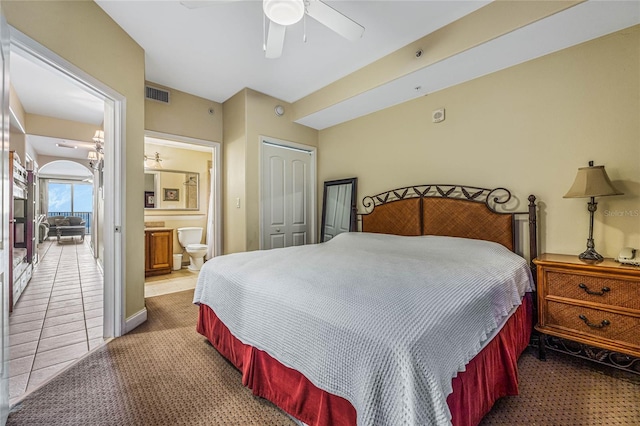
92	155
591	181
98	137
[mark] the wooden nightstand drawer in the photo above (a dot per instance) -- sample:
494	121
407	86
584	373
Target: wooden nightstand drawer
608	291
598	323
593	303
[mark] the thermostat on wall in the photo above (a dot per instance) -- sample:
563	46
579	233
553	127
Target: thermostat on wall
438	115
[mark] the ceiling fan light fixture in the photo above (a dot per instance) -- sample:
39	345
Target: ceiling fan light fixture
284	12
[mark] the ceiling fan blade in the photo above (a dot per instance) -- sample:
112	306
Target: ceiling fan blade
197	4
335	20
275	40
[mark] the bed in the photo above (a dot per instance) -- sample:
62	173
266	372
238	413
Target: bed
418	319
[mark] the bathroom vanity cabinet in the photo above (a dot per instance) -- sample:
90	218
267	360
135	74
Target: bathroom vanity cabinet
158	251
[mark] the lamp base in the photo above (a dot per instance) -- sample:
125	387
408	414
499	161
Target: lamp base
590	254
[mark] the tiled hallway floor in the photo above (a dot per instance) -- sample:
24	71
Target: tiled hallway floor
58	318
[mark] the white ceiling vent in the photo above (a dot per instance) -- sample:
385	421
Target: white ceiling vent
156	94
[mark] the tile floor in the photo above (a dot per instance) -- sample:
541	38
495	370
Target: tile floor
176	281
58	318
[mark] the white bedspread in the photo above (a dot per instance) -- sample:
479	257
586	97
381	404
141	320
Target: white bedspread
381	320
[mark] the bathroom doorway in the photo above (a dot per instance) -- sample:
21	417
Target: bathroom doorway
182	190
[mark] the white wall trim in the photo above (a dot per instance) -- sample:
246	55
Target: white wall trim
135	320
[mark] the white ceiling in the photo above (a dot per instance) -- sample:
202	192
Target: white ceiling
45	91
67	148
216	51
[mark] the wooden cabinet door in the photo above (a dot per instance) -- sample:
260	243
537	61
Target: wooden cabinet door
160	256
158	251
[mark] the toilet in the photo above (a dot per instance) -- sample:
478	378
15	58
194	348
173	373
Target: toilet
189	239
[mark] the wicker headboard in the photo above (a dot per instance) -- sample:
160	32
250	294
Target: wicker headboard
448	210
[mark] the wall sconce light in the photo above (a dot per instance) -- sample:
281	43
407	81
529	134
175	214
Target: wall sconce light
98	139
93	159
153	162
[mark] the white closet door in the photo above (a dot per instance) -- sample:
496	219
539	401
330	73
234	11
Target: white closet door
286	196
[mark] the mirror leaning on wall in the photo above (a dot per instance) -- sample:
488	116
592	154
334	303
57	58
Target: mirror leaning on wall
338	208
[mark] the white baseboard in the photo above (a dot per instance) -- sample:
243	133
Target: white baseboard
135	320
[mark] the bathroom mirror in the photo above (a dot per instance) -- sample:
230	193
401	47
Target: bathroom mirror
338	208
171	190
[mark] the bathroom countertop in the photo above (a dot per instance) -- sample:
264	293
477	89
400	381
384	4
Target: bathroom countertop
158	229
154	224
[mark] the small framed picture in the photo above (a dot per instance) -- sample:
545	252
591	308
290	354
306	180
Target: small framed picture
171	194
149	200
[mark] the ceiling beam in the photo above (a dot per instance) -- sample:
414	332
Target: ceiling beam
496	19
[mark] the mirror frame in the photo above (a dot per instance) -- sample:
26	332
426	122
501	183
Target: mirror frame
152	170
353	217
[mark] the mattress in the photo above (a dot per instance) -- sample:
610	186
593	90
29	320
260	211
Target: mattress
384	322
489	376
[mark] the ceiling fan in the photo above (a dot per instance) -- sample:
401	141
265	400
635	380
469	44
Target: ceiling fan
282	13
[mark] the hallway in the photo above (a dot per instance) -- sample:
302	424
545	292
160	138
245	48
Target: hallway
58	318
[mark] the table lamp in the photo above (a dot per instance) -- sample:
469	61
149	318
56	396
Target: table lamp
591	182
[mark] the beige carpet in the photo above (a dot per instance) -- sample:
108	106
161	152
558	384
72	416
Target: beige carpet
164	373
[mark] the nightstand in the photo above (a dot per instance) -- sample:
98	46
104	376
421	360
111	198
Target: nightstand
596	304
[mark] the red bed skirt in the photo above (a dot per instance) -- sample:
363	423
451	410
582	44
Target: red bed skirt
490	375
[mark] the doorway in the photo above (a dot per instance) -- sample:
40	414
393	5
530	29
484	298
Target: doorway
287	194
112	106
191	170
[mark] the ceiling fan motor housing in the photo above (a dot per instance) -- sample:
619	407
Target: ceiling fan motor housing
284	12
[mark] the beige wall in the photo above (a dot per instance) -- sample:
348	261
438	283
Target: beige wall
234	148
262	121
58	128
248	115
17	144
185	115
174	158
16	137
16	106
84	35
527	128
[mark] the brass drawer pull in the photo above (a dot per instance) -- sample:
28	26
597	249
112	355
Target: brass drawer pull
603	324
596	293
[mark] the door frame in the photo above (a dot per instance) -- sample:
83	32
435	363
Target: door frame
115	137
5	262
216	151
291	145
